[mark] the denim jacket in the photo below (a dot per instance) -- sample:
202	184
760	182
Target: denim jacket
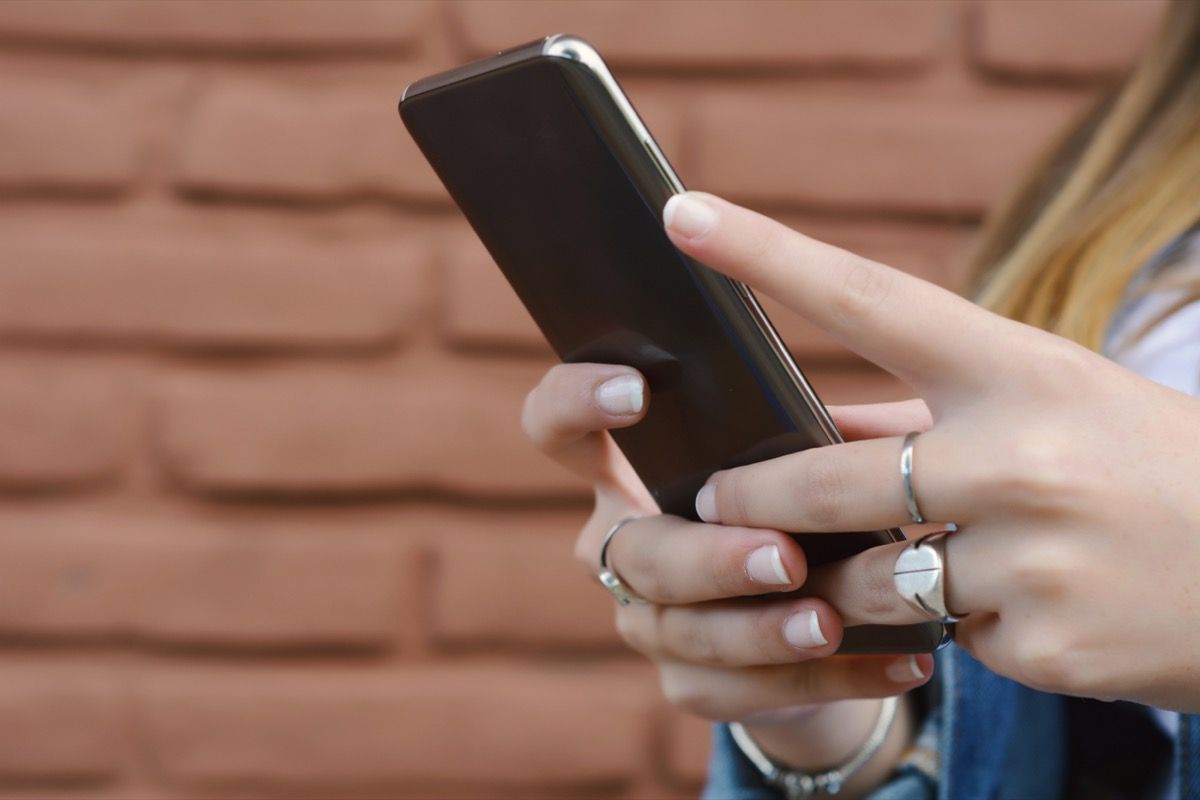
994	739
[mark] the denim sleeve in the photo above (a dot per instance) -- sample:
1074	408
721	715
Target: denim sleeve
732	777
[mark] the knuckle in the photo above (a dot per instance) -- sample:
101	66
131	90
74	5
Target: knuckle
551	409
587	547
590	537
633	556
1062	366
864	286
821	489
633	629
583	553
687	637
1044	570
1038	475
545	430
684	694
645	574
1046	659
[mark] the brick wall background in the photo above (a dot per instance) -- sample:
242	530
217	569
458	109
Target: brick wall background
268	524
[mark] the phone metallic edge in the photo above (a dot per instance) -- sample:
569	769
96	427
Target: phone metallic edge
734	296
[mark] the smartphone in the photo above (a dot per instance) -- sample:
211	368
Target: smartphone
565	186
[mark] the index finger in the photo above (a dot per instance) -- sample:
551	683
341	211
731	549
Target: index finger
920	332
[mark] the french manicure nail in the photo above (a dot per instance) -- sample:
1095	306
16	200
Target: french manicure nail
623	395
706	503
905	669
803	630
689	216
765	565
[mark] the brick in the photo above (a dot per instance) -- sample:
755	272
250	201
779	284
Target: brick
512	579
73	130
194	282
1072	38
313	137
722	34
327	136
656	791
280	584
64	575
58	720
917	155
343	432
480	307
665	113
265	26
483	723
68	789
99	573
337	431
689	744
63	425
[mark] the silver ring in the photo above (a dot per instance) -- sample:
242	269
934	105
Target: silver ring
906	472
609	577
920	576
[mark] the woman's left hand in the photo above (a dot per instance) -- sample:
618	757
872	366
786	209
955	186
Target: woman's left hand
1075	483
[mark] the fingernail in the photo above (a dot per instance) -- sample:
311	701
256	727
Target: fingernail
623	395
905	669
765	565
803	630
689	216
706	503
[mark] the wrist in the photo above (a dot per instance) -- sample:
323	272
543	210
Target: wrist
819	736
833	735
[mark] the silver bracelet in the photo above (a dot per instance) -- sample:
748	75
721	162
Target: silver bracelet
797	785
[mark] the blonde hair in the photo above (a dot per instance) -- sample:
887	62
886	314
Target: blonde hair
1109	196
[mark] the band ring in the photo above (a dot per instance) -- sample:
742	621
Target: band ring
609	577
920	576
906	473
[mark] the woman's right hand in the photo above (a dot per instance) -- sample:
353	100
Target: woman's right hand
727	644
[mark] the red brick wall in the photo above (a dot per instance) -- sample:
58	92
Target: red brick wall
269	526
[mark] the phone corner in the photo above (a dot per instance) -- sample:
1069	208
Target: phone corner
570	47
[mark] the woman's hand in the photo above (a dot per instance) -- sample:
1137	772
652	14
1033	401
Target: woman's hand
727	645
1075	483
